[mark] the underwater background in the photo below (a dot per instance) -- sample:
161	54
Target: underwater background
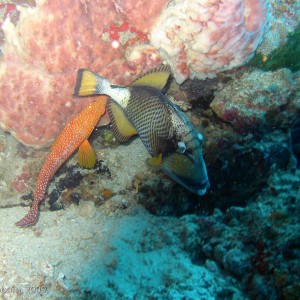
123	230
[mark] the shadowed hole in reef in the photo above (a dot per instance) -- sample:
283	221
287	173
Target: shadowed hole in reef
238	163
237	175
295	139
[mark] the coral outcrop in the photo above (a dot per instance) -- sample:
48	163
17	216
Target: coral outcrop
43	50
201	38
258	100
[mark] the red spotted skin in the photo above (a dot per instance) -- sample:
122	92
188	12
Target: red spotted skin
72	136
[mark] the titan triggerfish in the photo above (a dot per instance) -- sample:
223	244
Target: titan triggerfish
141	108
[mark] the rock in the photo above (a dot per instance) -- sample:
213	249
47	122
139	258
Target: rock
236	262
258	101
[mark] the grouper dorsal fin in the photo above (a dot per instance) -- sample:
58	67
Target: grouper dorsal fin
156	78
122	128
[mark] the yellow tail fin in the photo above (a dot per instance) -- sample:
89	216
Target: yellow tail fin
85	83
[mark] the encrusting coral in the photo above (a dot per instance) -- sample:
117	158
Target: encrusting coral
285	56
201	38
120	40
49	43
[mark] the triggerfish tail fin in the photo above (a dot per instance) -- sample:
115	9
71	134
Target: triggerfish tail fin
85	83
31	217
86	155
156	78
122	128
89	83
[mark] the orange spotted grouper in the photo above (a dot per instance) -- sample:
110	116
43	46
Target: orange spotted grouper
74	135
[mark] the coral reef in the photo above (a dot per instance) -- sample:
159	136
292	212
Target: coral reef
295	140
258	100
45	47
119	231
237	165
285	56
241	238
284	18
202	38
260	243
123	252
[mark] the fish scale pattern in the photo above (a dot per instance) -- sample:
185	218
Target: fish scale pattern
151	118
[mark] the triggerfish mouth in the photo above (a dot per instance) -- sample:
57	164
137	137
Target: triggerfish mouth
141	108
73	136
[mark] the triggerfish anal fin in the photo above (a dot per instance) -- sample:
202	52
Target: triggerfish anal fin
86	155
123	129
89	79
156	78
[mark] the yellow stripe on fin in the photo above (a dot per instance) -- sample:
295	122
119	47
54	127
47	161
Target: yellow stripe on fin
85	83
155	162
122	127
156	78
86	155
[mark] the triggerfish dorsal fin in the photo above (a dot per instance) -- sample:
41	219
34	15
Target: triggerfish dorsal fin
86	83
156	78
86	155
122	128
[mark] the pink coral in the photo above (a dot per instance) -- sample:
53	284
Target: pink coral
200	38
50	42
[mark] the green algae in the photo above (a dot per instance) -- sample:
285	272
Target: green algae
108	137
285	56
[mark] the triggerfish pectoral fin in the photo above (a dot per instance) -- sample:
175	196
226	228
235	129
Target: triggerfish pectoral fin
86	155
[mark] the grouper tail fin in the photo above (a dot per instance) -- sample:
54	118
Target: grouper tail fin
89	83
